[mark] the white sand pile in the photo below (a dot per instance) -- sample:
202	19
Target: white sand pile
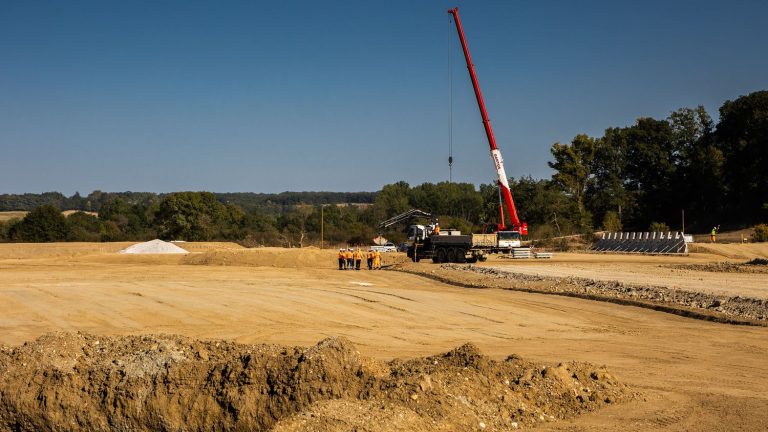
154	247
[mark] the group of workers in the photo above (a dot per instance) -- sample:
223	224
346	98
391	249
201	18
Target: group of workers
352	260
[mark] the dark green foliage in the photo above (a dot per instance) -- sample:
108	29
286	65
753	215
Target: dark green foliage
43	224
611	222
654	169
573	166
659	227
761	233
83	227
742	137
196	216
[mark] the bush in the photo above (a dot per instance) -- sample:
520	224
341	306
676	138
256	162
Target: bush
611	221
83	227
761	233
659	227
43	224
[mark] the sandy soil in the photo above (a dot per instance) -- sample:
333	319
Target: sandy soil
651	270
8	215
694	375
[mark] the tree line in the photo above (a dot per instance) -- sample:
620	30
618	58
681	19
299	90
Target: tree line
634	178
652	171
246	200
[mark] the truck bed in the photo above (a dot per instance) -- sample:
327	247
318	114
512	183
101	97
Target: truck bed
484	240
464	241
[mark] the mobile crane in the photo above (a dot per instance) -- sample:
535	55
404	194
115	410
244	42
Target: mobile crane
450	245
518	229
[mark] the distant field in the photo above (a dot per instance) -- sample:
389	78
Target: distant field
8	215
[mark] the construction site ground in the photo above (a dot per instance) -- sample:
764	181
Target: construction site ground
685	374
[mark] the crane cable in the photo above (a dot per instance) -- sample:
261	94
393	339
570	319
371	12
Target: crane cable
450	107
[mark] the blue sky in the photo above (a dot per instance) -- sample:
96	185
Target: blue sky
342	95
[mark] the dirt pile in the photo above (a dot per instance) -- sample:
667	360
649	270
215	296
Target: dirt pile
156	246
83	382
757	265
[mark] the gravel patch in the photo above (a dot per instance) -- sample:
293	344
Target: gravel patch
730	306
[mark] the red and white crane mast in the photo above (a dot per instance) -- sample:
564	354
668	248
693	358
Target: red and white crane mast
498	162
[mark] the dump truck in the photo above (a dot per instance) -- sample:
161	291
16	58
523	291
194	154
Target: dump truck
450	245
453	246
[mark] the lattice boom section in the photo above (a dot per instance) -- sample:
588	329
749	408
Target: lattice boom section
642	242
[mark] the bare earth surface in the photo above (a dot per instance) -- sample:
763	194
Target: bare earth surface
650	270
691	374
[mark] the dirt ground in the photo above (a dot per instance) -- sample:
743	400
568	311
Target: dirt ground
667	271
692	375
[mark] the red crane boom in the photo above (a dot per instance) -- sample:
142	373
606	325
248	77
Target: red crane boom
495	153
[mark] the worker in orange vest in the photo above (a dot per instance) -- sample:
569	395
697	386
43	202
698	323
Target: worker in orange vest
358	258
369	258
377	260
342	259
350	259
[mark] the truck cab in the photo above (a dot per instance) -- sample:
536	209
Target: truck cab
508	239
419	232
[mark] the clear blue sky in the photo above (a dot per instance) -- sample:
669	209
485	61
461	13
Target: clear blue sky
342	95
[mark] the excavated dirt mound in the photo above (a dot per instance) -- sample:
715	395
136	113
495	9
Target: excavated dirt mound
757	265
279	257
82	382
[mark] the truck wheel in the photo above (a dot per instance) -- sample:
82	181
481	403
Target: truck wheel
457	255
472	260
435	260
483	258
442	255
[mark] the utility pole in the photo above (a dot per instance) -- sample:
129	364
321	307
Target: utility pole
683	211
322	222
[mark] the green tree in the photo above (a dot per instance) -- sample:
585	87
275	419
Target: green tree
611	222
742	136
392	200
83	227
195	216
573	166
699	185
43	224
606	191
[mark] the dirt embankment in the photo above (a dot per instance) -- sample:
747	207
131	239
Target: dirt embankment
79	381
309	257
757	265
737	251
726	309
